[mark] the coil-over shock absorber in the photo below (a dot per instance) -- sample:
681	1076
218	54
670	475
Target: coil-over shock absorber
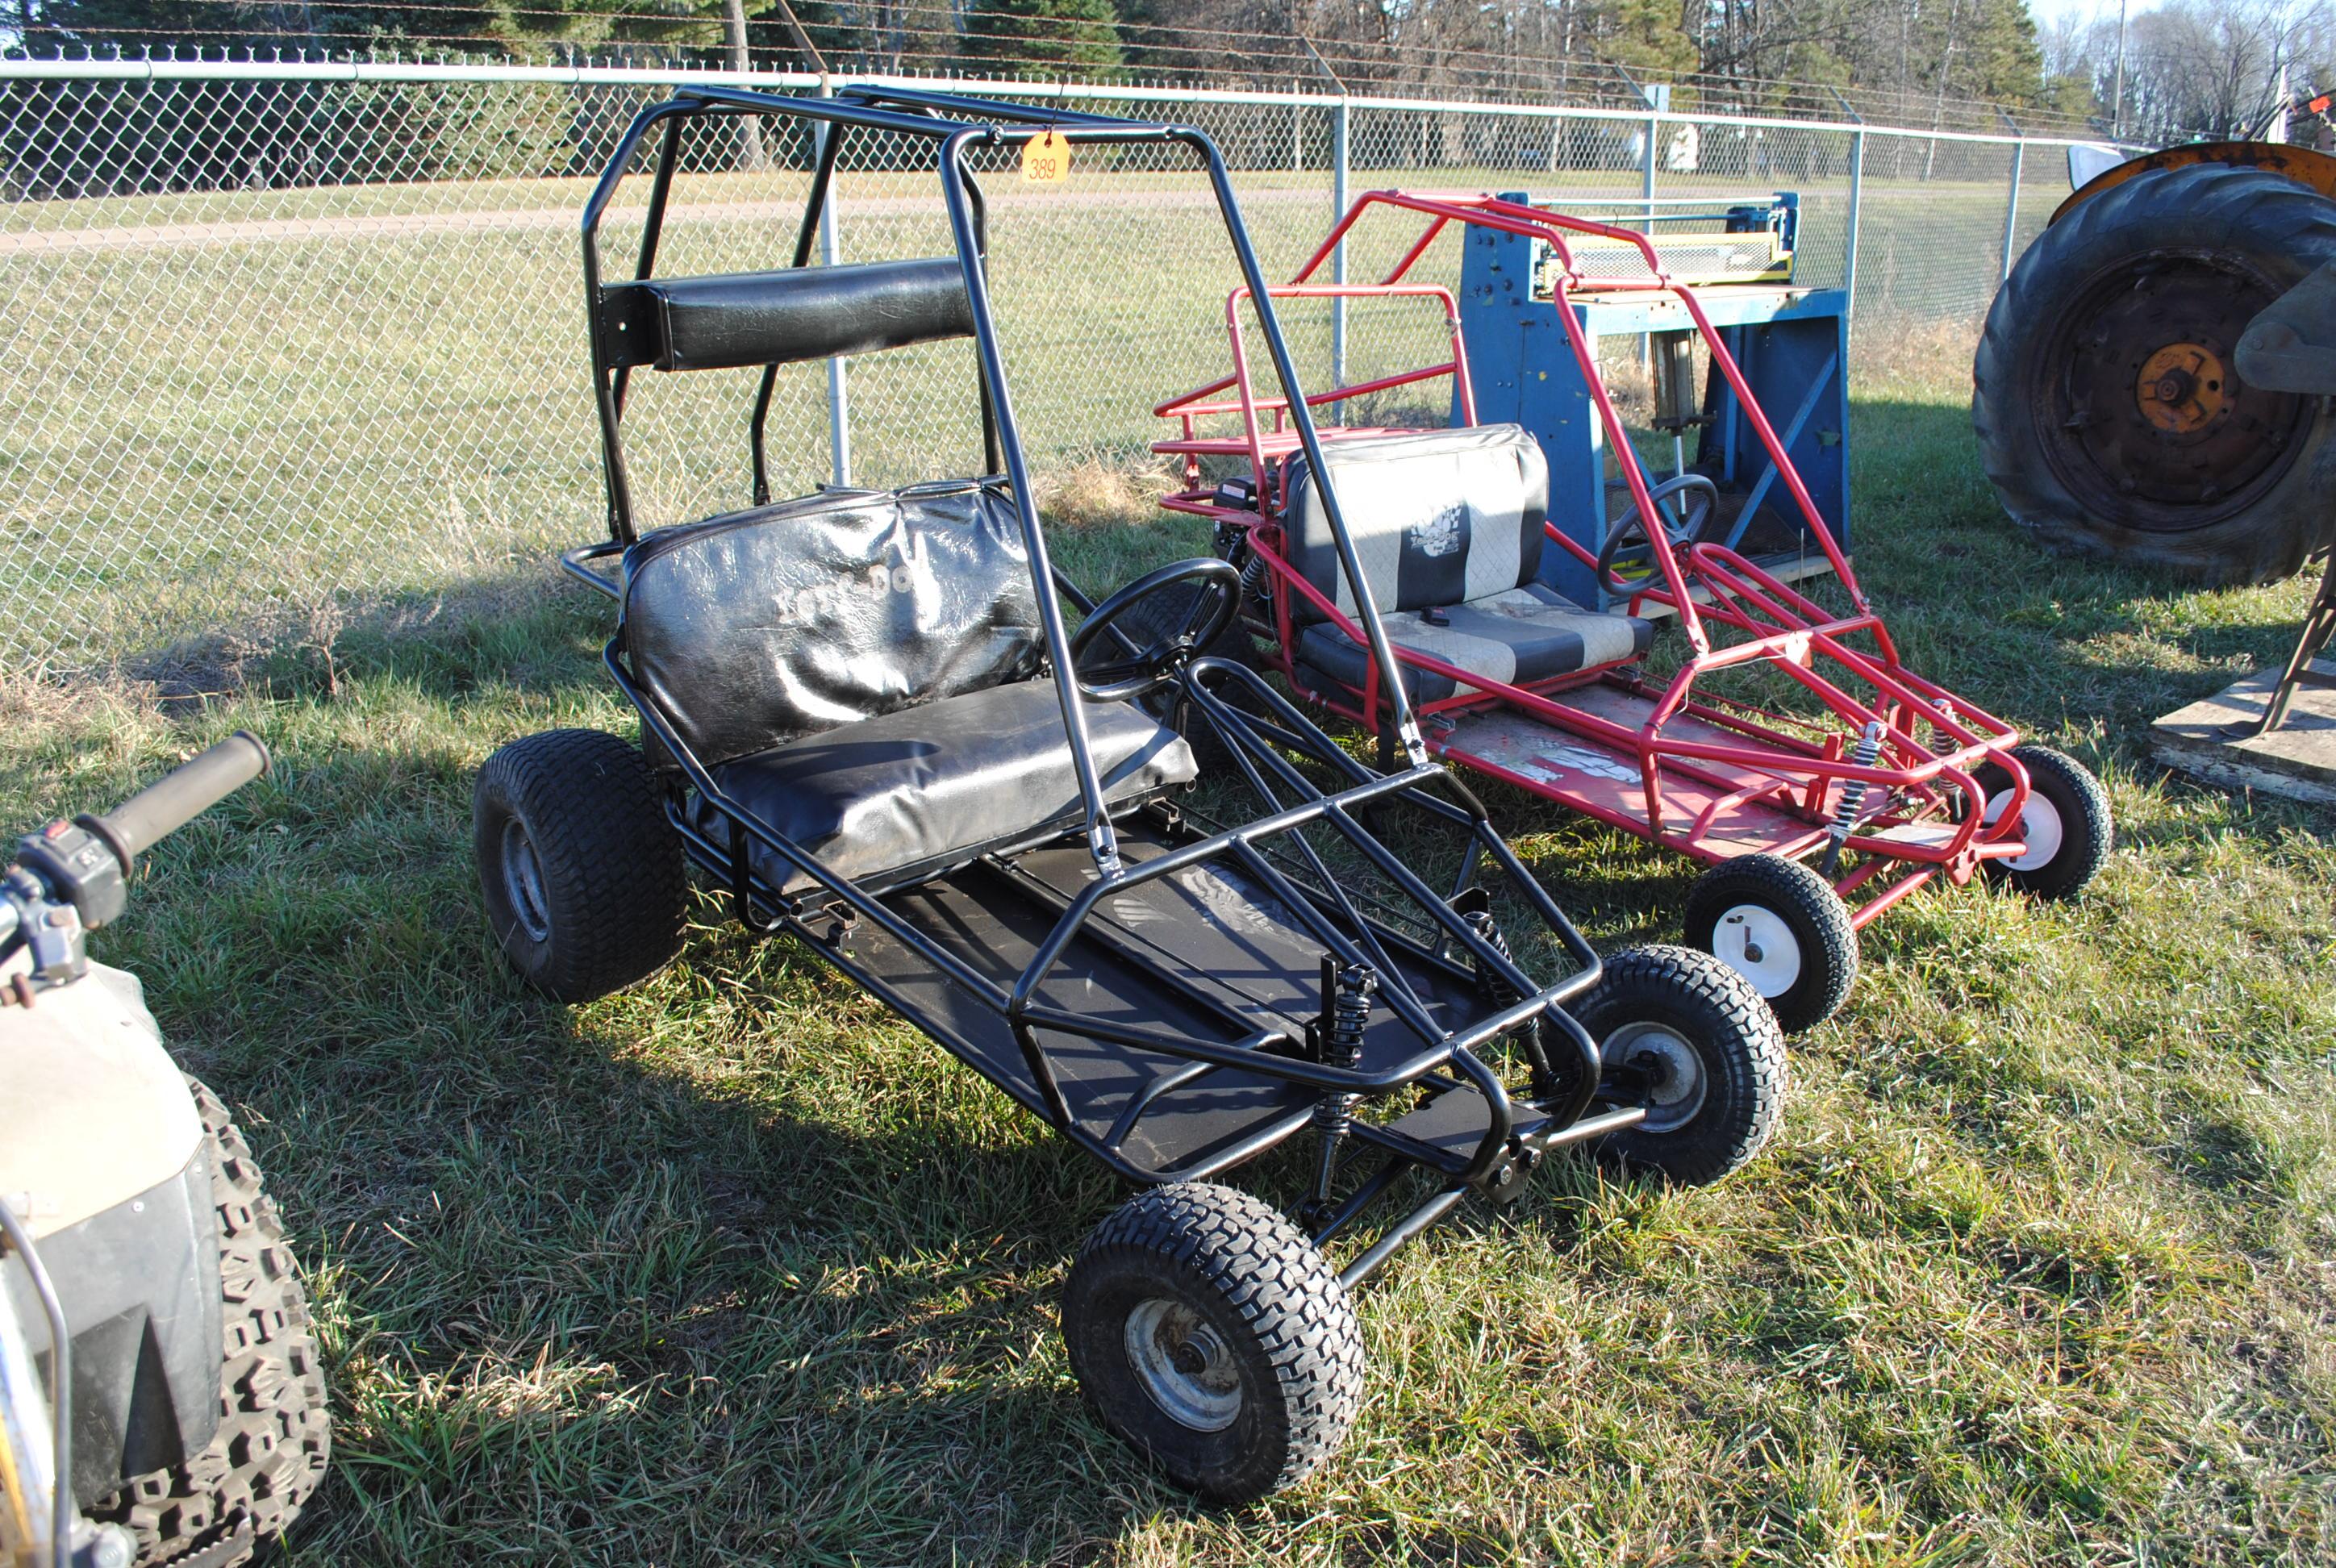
1852	797
1338	1041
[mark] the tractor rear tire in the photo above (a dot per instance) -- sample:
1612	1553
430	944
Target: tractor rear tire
2110	415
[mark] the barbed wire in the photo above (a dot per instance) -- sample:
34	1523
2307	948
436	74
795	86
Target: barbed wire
1554	80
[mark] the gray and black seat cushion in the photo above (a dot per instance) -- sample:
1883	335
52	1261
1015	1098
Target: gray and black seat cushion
1519	637
860	671
923	790
1447	526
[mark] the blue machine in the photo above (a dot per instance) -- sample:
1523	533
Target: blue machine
1791	343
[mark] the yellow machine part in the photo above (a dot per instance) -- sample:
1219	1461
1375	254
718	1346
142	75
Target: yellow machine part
2301	164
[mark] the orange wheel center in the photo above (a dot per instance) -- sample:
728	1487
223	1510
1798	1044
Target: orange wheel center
2181	388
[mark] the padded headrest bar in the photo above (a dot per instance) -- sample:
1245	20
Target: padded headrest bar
741	318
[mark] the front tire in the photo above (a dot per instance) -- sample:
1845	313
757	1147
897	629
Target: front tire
1783	928
580	871
1211	1336
274	1436
2066	824
1711	1050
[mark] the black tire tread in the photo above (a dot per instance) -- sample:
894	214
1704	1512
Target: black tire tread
1281	1286
1798	893
1755	1075
2210	204
2092	835
275	1434
611	862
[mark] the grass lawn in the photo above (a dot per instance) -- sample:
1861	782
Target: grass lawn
735	1267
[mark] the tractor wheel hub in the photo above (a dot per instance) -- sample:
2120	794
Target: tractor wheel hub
2181	388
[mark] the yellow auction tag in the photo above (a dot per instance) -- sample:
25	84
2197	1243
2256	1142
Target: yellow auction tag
1047	159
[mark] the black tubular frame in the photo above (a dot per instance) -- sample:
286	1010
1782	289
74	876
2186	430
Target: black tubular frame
1258	735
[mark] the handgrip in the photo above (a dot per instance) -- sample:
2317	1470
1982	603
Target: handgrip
180	796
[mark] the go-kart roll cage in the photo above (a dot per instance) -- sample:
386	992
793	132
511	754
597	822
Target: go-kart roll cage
1264	849
1705	583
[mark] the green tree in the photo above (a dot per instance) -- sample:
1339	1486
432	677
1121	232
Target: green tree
1645	35
1073	37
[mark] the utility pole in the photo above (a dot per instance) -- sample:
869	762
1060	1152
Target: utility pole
2116	92
751	153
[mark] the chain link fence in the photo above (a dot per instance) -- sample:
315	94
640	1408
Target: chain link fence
283	333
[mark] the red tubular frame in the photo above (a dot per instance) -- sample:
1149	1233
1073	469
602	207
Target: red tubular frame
1708	586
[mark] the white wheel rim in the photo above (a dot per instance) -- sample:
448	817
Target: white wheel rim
2039	829
1184	1365
1754	940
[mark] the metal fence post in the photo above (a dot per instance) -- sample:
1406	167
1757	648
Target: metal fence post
1857	202
1339	152
2012	210
1658	96
838	397
1856	196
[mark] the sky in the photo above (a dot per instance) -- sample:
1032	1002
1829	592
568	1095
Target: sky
2048	12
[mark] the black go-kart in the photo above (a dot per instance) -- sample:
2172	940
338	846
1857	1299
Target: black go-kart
866	717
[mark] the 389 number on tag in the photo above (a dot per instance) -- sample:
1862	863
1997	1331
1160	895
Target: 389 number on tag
1046	160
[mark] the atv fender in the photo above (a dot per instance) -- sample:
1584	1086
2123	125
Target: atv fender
102	1150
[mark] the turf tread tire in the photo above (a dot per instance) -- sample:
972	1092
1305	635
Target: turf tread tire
1746	1073
2089	833
1806	902
2286	229
274	1438
611	865
1219	1243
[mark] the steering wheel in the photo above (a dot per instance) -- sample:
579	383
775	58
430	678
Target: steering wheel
1628	529
1176	633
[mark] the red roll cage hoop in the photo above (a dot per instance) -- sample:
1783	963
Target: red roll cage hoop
1776	623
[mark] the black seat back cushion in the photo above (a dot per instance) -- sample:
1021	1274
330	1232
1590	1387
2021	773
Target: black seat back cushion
1438	517
749	628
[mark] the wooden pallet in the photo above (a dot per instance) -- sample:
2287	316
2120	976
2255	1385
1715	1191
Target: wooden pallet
2297	760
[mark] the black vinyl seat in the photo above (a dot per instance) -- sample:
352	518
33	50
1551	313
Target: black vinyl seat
921	791
863	672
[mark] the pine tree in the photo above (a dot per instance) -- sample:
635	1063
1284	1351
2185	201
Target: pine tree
1031	38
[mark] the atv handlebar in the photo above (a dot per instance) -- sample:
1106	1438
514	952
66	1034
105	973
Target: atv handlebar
180	796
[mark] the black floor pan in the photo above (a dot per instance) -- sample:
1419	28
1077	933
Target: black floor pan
1252	967
995	929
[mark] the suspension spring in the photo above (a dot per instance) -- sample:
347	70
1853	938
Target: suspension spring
1338	1041
1852	796
1940	740
1491	983
1342	1043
